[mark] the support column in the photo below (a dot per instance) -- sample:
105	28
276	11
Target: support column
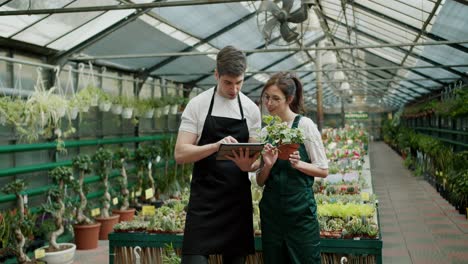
318	75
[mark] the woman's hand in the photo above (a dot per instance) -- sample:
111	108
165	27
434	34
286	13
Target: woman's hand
295	159
270	155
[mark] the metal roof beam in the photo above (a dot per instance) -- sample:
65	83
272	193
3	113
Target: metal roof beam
142	6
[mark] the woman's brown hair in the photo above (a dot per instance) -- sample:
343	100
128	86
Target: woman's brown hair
290	86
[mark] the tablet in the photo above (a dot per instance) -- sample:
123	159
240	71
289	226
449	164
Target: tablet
226	149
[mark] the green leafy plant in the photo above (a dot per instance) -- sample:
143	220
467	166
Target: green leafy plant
278	132
169	256
103	158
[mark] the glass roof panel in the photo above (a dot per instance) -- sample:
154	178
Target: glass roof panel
56	25
258	61
406	18
88	30
186	64
451	23
251	37
122	41
422	12
9	25
203	20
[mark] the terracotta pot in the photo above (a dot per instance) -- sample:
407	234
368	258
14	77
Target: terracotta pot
125	215
285	150
86	236
107	225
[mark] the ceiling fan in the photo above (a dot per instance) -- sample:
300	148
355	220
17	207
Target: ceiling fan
272	15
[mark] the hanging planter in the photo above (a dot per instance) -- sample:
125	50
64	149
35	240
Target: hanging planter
73	112
174	109
157	112
105	106
116	109
127	112
149	113
166	109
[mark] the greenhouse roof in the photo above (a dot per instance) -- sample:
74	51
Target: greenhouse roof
374	52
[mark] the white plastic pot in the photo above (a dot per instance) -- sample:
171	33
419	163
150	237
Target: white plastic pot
61	112
85	109
149	113
127	113
105	106
116	109
60	257
94	101
158	112
73	113
174	109
166	109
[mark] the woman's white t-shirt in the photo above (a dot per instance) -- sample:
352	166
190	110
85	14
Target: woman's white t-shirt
194	115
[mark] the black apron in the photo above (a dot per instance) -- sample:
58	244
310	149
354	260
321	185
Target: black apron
219	217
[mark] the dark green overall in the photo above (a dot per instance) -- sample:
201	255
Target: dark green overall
290	230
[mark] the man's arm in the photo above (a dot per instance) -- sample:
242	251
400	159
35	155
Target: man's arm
186	150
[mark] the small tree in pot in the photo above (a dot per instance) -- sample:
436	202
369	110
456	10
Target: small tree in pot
125	213
20	222
61	177
103	159
86	231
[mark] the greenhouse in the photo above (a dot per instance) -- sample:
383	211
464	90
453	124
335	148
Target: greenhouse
139	131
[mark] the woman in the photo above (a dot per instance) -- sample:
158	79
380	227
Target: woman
288	212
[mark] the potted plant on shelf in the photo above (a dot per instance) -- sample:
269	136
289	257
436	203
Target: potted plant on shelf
17	225
62	253
126	213
86	230
103	159
280	135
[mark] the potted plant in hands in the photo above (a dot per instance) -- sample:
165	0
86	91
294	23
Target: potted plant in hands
86	230
126	213
19	223
62	253
280	135
103	159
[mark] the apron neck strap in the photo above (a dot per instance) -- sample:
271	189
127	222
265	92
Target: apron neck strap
296	121
212	102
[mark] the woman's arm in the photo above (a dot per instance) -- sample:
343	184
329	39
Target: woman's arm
305	167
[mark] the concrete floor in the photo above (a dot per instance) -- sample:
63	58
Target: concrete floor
418	226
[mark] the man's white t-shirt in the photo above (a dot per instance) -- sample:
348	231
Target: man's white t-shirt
194	115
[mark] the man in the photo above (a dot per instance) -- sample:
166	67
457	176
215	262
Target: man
219	218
